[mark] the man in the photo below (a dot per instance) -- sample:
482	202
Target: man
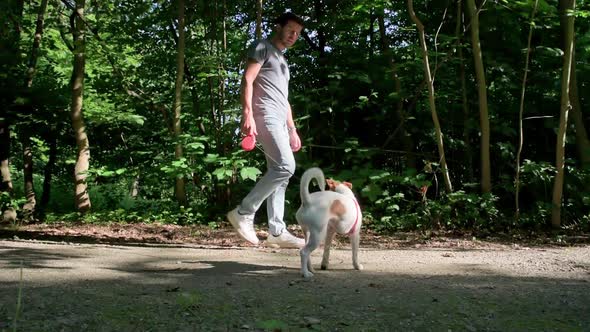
267	114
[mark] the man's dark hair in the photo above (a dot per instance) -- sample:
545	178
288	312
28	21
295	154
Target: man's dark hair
284	18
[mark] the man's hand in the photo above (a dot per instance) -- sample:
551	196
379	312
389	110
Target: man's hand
294	140
249	125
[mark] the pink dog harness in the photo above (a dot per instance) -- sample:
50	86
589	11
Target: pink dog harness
356	221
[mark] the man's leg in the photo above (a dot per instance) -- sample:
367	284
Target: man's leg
280	167
281	160
272	186
275	209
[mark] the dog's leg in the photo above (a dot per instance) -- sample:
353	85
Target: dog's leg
355	239
310	266
305	253
305	231
306	236
330	233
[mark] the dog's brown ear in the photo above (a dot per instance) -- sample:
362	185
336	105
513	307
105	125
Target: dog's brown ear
331	184
348	184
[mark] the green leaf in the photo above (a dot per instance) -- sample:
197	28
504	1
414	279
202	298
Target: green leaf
219	173
552	51
211	158
372	192
250	173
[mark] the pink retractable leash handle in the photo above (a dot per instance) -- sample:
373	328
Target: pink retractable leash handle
249	142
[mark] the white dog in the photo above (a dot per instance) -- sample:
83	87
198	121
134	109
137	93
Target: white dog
323	214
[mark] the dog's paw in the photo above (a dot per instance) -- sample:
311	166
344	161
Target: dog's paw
358	267
307	275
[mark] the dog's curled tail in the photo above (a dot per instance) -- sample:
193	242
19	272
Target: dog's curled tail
312	173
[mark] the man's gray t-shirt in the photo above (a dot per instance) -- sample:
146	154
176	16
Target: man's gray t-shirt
270	91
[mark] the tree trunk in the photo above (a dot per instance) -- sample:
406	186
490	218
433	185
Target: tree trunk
48	173
36	44
222	71
212	51
521	112
404	136
180	191
259	19
82	199
10	27
568	39
134	191
30	205
582	142
468	151
431	98
6	184
484	121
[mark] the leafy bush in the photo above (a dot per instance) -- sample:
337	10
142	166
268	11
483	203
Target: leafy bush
7	201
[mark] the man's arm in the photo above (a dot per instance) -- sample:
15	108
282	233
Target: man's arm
252	70
294	139
290	122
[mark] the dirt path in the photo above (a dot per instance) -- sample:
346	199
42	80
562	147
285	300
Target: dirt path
97	287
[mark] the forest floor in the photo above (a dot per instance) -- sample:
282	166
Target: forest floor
170	278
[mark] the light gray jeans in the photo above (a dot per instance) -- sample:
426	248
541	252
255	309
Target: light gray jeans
274	138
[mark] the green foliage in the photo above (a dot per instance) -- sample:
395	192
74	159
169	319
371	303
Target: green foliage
536	178
536	217
400	210
6	201
226	167
344	98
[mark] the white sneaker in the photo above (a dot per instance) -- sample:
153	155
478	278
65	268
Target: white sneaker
244	225
285	240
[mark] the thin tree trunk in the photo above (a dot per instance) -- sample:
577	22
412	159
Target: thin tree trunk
431	98
222	73
180	186
405	138
215	121
568	39
82	199
10	27
521	112
484	121
6	181
194	94
30	205
48	173
259	19
371	34
582	141
468	151
36	44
